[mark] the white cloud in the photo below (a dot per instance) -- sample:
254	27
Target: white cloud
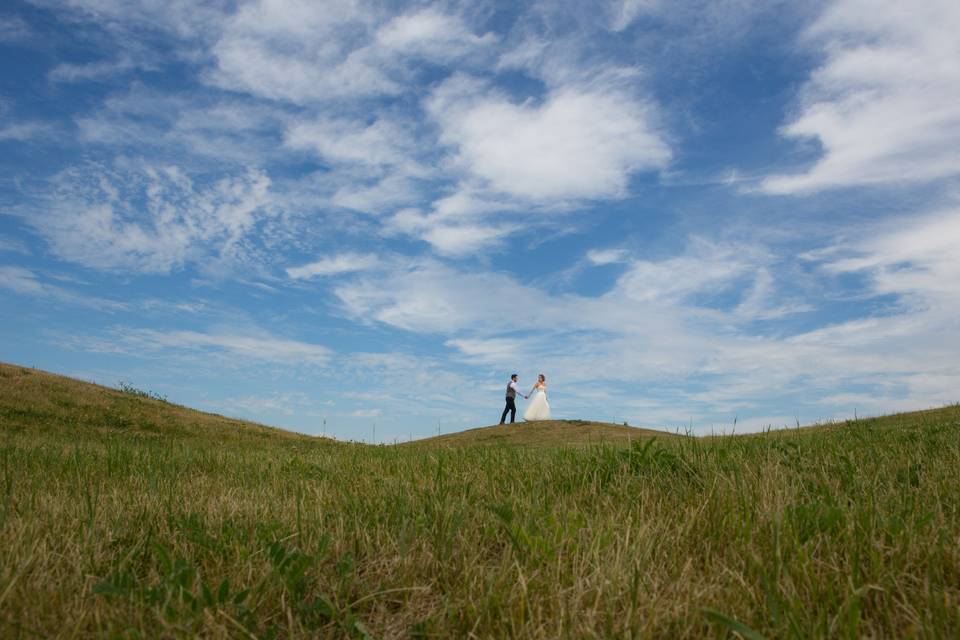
285	403
26	282
527	55
374	166
584	141
705	266
254	345
911	350
13	245
150	219
184	18
493	349
232	131
381	142
333	50
432	34
69	72
916	258
624	12
335	265
462	223
453	240
365	413
758	301
601	257
581	142
319	48
25	130
14	29
360	193
432	298
885	103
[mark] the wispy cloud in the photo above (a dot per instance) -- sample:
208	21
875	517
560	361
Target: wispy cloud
26	282
366	413
432	34
885	104
335	51
103	69
239	345
375	166
153	219
14	29
26	130
334	265
284	403
601	257
13	245
624	12
915	258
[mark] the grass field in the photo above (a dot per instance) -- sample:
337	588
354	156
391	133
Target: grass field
123	516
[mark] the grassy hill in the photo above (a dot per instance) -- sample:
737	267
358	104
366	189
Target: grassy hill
122	516
561	433
34	399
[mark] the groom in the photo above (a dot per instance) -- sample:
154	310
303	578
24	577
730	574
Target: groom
511	407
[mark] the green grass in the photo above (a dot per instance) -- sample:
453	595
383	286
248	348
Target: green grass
548	433
124	516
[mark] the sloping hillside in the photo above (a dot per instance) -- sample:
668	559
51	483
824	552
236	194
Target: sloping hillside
572	433
34	399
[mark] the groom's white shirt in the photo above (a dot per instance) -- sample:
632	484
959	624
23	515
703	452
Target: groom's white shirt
513	385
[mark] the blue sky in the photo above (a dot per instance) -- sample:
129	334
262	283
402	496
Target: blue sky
348	213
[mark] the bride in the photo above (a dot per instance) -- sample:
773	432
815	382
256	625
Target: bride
539	408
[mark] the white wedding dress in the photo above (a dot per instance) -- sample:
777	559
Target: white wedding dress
539	408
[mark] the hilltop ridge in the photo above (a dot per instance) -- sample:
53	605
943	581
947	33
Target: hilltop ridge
540	433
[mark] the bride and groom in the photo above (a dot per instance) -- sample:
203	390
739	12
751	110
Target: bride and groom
538	409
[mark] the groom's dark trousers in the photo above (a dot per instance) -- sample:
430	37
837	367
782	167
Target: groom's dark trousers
511	408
